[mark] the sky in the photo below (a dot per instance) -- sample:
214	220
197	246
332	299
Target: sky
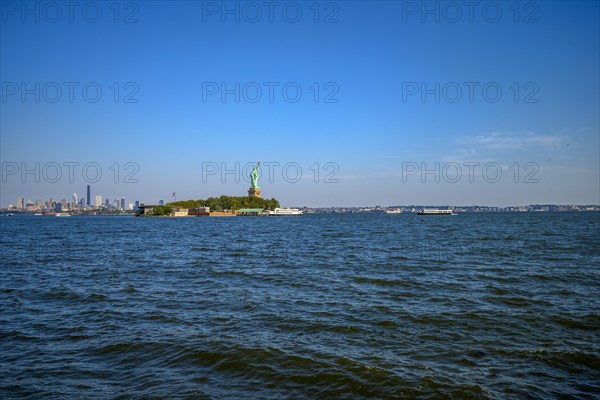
345	103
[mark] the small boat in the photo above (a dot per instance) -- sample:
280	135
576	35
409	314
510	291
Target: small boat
434	211
394	211
38	214
285	211
63	215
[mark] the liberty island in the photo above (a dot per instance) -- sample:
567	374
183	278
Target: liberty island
223	206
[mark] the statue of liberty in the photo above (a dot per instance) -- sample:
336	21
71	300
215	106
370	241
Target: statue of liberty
254	176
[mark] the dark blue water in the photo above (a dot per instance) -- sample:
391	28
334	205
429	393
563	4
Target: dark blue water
319	306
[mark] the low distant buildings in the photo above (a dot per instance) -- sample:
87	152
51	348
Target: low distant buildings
222	214
147	209
199	212
180	212
247	212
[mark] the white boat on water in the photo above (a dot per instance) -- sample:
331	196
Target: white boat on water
63	215
393	211
285	212
434	211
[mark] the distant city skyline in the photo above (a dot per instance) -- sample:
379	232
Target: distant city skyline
361	104
412	180
75	202
78	203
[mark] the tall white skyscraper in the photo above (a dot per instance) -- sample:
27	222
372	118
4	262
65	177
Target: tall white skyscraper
98	201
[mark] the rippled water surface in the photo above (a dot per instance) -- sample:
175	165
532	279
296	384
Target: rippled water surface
319	306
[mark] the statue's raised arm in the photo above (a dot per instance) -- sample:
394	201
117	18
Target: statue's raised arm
254	176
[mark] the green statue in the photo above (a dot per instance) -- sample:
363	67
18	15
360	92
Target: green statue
254	176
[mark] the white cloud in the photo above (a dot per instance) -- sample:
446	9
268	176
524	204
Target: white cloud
516	141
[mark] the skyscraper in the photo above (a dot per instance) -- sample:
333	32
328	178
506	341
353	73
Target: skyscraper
122	203
98	201
75	201
161	202
20	203
89	196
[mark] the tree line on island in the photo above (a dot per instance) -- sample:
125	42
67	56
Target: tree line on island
219	204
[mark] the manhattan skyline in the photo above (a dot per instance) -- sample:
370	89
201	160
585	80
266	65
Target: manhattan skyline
365	104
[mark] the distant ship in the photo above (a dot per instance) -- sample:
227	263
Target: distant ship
394	211
434	211
285	211
63	215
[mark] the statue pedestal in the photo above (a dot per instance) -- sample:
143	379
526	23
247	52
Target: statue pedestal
254	192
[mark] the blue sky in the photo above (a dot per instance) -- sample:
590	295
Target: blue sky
370	122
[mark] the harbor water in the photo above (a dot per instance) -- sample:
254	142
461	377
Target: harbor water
345	306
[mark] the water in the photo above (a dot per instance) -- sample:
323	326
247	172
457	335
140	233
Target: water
320	306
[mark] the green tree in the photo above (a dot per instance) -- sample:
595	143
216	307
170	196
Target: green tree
221	203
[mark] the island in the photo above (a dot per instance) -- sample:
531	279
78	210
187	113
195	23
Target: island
223	206
213	206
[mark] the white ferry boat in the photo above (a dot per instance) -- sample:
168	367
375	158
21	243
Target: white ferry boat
63	215
285	211
434	211
393	211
